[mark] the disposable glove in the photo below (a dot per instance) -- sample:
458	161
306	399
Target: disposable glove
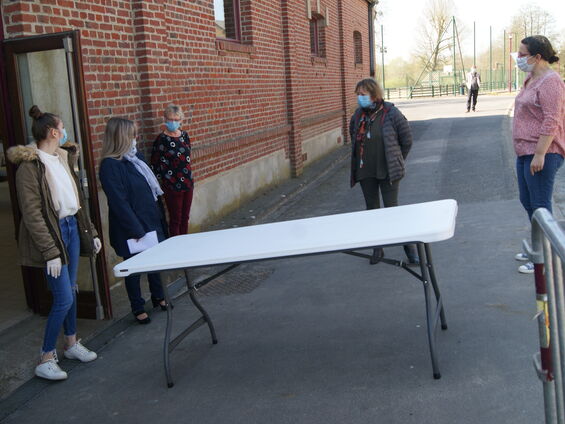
97	245
54	267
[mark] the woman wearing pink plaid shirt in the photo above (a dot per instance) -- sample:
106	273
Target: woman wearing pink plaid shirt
538	128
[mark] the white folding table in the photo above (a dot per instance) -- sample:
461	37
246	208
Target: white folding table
421	224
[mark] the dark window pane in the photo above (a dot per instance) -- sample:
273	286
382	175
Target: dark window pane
358	47
314	41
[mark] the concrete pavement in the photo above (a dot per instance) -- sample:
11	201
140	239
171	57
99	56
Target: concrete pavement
332	339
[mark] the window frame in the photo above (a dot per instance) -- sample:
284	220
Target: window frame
237	21
357	48
314	37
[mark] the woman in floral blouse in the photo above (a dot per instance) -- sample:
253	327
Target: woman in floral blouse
538	128
170	161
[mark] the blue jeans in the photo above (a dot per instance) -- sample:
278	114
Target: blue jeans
63	288
134	290
536	190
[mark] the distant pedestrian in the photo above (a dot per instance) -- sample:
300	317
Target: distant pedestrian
54	231
538	128
380	139
134	206
170	161
473	86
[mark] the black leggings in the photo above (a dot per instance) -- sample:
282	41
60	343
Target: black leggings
371	188
389	192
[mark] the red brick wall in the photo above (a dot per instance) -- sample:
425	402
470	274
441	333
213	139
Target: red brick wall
241	101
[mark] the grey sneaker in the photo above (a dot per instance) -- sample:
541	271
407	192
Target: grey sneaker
522	257
79	352
527	268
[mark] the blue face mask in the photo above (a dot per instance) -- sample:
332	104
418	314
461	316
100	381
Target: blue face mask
172	126
64	139
364	101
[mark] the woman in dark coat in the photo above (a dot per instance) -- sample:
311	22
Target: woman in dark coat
134	205
381	139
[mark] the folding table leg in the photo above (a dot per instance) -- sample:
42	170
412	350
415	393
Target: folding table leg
435	286
430	315
196	303
166	344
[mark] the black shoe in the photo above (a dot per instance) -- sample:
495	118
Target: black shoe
378	254
157	302
145	320
411	254
468	110
473	110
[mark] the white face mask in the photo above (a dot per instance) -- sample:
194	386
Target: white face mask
522	63
133	149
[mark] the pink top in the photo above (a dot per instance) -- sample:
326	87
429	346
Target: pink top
539	109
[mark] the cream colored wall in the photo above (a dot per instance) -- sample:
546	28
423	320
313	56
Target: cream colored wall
318	146
225	192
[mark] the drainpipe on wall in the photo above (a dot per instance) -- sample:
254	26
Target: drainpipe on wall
372	4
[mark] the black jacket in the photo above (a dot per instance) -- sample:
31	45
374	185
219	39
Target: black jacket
397	138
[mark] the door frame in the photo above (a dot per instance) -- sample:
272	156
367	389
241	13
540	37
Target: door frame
39	298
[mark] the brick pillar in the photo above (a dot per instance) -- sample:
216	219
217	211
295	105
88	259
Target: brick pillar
343	76
291	32
152	57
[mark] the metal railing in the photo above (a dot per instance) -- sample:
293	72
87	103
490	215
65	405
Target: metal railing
439	90
548	253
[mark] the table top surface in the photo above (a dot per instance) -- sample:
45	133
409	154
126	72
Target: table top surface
423	222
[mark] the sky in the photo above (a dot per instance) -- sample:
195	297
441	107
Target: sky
400	42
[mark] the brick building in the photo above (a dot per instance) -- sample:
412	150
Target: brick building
266	87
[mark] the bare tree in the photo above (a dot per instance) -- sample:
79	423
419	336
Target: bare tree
435	40
533	20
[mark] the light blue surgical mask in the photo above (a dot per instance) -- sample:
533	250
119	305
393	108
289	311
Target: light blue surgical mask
172	126
364	101
523	65
63	140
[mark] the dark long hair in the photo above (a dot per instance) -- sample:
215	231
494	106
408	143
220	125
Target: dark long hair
538	44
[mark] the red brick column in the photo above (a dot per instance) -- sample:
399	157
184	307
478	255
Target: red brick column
343	88
291	45
151	52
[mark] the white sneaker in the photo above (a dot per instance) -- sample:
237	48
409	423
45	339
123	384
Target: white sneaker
50	371
79	352
527	268
521	257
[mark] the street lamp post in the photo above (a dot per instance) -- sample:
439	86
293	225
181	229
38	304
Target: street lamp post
383	51
510	63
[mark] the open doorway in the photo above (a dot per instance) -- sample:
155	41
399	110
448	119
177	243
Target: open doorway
13	305
47	71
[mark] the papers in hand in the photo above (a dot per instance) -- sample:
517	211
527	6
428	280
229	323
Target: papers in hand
144	243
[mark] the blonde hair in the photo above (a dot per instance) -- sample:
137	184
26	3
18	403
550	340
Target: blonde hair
372	87
173	109
117	138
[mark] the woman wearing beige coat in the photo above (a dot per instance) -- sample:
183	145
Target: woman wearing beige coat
53	232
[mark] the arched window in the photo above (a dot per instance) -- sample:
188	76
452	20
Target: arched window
358	47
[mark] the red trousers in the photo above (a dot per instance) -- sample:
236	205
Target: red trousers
178	205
